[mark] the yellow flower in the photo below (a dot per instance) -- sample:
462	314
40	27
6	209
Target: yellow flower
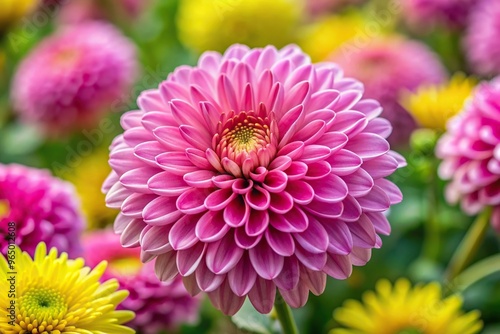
13	10
403	309
54	295
217	24
325	36
88	178
433	105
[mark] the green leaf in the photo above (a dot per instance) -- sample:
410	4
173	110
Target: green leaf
252	321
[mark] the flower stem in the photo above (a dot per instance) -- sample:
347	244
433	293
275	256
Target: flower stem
285	316
469	245
476	272
432	239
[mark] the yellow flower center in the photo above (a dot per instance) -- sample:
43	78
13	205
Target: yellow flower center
41	311
250	137
4	208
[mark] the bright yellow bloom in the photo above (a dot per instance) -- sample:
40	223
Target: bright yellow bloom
88	178
433	105
54	295
217	24
13	10
325	36
403	309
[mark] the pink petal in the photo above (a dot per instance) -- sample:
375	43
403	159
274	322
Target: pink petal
211	227
289	276
392	190
244	241
330	189
135	203
258	198
339	237
293	150
315	281
344	162
165	266
302	192
280	242
296	297
131	234
381	166
225	300
155	240
314	239
219	199
368	145
189	259
161	211
318	170
363	232
352	209
380	222
236	213
207	280
257	223
325	210
167	184
315	153
192	201
148	151
242	277
293	221
359	182
360	256
137	179
376	201
338	266
182	235
275	181
310	260
175	162
262	295
281	202
296	171
223	255
170	137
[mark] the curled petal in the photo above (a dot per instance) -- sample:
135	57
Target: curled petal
223	255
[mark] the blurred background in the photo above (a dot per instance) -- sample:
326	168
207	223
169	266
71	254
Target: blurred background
70	68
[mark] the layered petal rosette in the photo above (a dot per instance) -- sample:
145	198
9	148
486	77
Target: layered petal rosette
73	77
470	150
42	207
251	172
157	305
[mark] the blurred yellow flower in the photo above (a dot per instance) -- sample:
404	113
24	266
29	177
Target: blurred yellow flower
13	10
88	178
403	309
433	105
51	294
325	36
217	24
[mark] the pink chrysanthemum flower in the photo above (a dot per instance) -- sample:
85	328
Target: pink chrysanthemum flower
423	14
388	66
74	76
157	305
42	207
471	153
481	39
254	171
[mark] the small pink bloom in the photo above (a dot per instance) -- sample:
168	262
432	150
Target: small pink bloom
471	153
424	14
157	305
43	208
481	40
74	76
254	171
387	67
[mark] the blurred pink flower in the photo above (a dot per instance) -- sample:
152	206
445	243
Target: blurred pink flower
43	208
74	76
253	171
387	67
471	153
157	305
481	40
424	14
